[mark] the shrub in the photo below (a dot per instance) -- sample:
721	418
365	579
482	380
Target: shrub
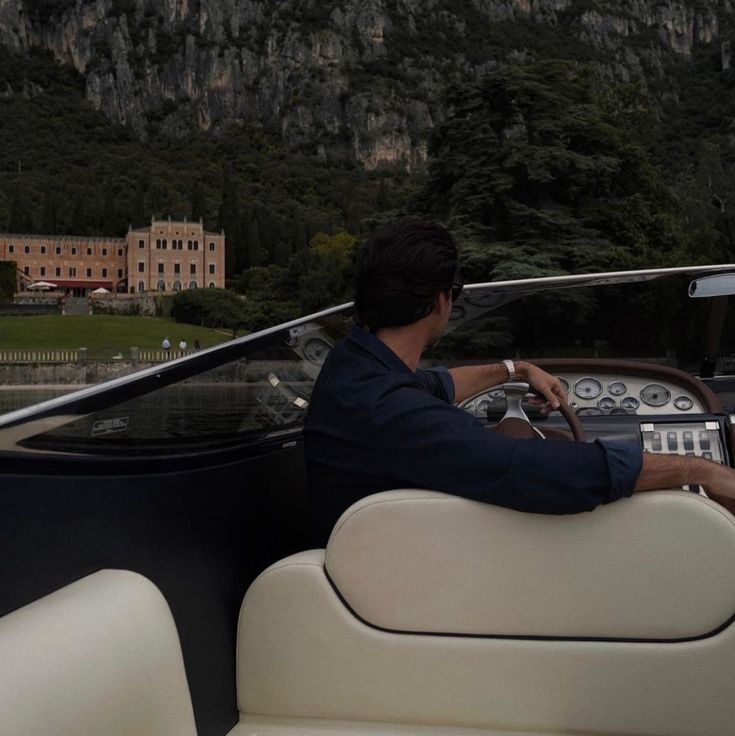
208	308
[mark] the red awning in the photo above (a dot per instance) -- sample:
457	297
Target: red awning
83	284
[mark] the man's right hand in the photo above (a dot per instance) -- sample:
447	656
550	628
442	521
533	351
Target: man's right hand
672	471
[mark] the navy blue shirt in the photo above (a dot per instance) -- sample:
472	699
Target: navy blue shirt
373	424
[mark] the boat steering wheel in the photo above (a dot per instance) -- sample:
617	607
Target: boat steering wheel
515	422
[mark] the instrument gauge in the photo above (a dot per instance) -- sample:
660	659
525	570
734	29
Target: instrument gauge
683	403
482	407
564	383
588	388
589	411
617	388
316	349
654	394
630	403
606	402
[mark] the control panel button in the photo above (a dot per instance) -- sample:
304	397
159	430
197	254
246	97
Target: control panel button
656	442
688	440
672	441
704	439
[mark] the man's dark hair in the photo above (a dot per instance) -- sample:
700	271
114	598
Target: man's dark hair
400	270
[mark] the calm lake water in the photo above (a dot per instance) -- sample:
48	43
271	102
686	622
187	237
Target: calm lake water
17	397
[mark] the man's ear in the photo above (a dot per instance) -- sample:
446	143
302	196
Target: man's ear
441	302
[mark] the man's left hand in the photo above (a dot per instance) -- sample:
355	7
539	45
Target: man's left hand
548	387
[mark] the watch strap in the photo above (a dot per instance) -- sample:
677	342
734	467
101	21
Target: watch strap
510	365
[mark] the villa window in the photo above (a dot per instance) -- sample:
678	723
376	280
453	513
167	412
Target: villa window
141	286
119	273
211	247
58	271
211	285
193	268
211	268
161	286
158	243
189	245
176	286
120	252
196	245
72	271
42	271
104	273
89	273
160	268
141	267
192	284
58	250
43	250
141	244
73	251
177	268
27	249
11	249
104	251
89	252
163	244
27	270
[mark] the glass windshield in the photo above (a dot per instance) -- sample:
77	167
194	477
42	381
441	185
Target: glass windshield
650	321
263	394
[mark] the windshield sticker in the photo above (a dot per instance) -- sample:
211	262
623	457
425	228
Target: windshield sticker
110	426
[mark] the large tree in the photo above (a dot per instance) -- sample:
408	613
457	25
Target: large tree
536	177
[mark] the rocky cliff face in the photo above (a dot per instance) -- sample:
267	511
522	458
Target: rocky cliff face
352	78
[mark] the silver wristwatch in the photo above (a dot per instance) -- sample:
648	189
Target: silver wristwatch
510	365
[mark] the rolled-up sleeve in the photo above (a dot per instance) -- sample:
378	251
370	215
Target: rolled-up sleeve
438	381
429	444
624	463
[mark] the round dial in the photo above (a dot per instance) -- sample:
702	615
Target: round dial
617	388
482	407
606	402
316	349
564	383
588	388
630	403
655	394
589	411
683	403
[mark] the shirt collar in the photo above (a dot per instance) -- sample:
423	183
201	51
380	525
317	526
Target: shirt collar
375	346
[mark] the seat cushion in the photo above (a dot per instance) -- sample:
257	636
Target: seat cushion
100	656
650	567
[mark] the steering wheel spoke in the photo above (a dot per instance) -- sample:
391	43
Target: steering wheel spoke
515	422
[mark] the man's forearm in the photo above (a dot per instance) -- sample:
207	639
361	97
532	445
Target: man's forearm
673	471
472	379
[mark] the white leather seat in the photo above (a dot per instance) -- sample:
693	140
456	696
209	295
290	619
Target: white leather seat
431	614
98	657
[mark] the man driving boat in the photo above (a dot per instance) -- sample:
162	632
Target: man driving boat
377	421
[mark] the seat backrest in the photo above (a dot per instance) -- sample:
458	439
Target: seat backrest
427	562
99	656
432	609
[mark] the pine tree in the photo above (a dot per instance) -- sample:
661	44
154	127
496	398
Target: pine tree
256	254
229	220
49	211
197	201
18	209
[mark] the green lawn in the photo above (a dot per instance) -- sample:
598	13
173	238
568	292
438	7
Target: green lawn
100	333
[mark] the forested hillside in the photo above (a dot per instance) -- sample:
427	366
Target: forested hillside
550	135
